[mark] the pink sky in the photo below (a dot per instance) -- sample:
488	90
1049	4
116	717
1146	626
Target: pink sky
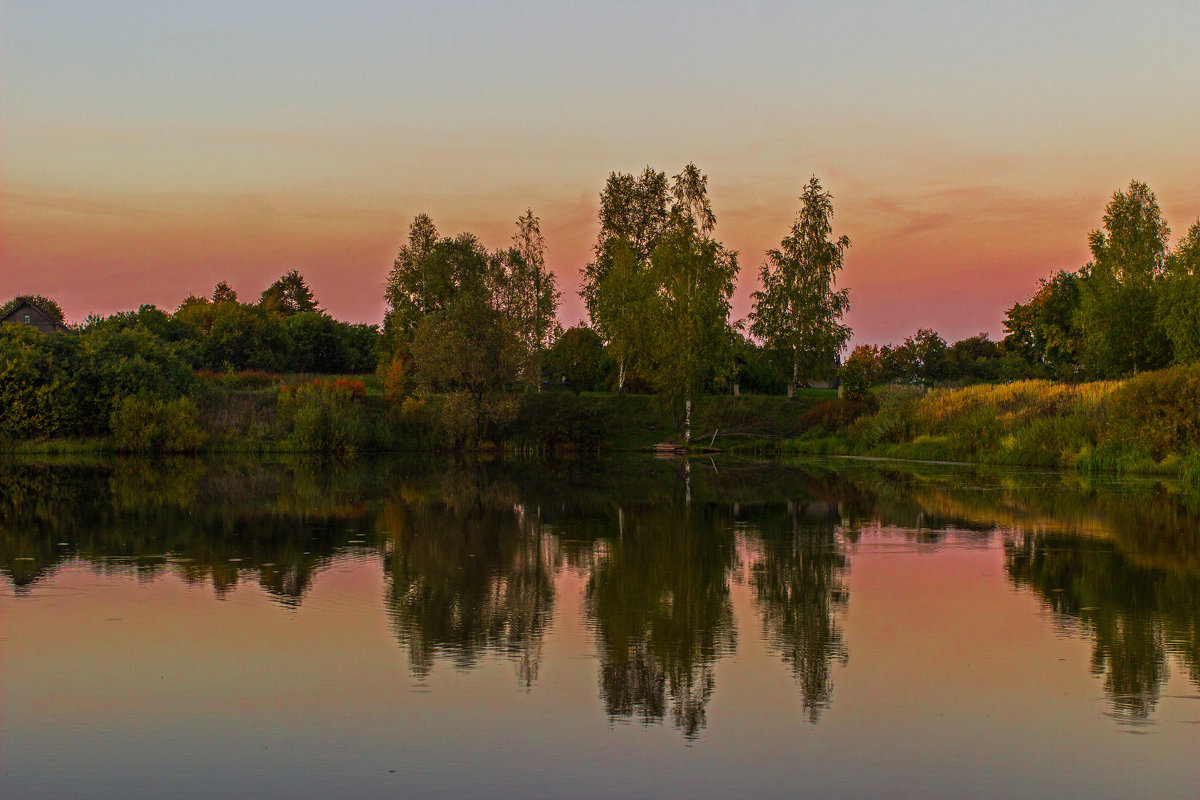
147	153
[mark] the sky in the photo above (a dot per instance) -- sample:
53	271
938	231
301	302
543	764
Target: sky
149	150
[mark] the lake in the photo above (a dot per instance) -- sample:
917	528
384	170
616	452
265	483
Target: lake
630	627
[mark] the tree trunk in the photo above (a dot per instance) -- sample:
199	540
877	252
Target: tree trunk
621	375
687	422
795	373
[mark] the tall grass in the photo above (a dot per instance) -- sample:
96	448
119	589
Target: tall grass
1146	423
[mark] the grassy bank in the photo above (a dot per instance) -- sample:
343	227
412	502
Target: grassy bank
345	414
1149	423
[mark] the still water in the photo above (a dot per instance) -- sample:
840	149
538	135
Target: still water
630	628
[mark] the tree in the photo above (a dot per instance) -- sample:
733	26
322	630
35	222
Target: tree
798	311
223	293
1117	315
634	214
289	295
408	292
688	311
1179	301
576	359
430	273
1045	331
470	353
529	291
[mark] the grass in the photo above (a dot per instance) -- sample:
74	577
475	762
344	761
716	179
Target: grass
1149	423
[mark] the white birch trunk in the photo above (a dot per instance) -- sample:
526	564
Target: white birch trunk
621	375
687	422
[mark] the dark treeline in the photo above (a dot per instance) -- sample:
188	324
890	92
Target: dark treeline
114	375
471	339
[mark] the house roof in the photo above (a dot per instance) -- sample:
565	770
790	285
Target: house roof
20	303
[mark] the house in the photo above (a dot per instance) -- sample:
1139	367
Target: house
26	313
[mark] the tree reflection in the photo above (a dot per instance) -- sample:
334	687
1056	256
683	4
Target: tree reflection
658	596
1135	615
208	523
798	580
469	572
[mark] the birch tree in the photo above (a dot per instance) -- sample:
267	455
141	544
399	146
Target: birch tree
634	213
799	311
529	291
693	278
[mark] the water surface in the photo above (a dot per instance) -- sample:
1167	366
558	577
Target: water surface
202	628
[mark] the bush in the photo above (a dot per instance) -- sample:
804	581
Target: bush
549	420
893	421
323	416
1155	413
246	380
856	379
142	424
834	415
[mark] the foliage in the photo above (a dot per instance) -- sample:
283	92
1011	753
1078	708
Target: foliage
1045	331
470	352
413	289
143	424
798	311
320	343
577	360
1179	299
634	214
857	373
547	421
689	311
529	291
287	296
1117	312
223	293
323	416
43	390
244	337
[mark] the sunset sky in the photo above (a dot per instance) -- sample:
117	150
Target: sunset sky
148	151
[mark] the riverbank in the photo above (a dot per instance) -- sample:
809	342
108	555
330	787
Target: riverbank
351	414
1149	423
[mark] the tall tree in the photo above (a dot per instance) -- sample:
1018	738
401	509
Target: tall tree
409	291
634	213
289	295
692	277
530	292
1179	301
1117	315
799	311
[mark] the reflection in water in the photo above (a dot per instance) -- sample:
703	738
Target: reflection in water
469	573
1135	615
659	599
474	556
799	583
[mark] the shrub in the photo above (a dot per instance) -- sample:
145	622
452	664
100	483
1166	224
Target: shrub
1155	412
247	379
324	416
142	424
547	420
834	415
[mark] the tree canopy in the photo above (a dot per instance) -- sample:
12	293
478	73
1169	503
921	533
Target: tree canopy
799	312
